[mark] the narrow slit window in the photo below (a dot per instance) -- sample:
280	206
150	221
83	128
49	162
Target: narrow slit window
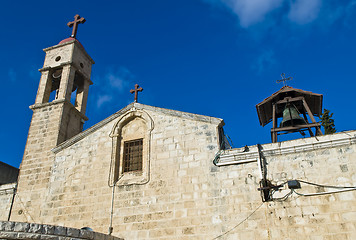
133	155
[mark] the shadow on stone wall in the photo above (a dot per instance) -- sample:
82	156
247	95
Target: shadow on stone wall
21	230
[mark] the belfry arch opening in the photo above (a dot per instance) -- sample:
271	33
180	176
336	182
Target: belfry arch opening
77	90
55	80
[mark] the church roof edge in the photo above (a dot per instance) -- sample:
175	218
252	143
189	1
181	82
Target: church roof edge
140	106
192	116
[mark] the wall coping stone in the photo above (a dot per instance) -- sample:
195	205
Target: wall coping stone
24	230
7	188
237	156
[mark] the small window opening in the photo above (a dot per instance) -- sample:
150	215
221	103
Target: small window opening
133	155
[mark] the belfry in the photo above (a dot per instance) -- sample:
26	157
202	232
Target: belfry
289	103
58	112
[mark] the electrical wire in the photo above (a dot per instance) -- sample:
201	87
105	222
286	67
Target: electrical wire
12	202
112	208
323	193
342	189
25	209
326	186
232	144
345	131
239	222
281	198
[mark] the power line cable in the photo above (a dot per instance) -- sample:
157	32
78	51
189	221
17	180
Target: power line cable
239	222
323	193
326	186
280	199
26	212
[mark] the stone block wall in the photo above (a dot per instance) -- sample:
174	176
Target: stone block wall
37	161
78	193
314	213
6	195
23	230
187	196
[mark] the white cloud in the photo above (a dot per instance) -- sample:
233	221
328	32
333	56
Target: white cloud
118	78
103	99
34	74
113	82
304	11
264	61
252	11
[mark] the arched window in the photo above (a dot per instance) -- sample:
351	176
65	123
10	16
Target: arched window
131	137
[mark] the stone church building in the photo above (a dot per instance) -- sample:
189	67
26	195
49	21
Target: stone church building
151	173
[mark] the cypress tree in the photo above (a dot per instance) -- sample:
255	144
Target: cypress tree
327	122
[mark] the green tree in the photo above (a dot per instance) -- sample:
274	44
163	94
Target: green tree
327	122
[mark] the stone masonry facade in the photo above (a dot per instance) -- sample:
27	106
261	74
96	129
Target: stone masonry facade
187	188
6	196
186	195
20	230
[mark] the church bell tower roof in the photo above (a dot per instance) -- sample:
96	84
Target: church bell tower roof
68	40
264	108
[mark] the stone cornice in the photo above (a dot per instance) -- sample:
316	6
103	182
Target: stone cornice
56	102
77	68
237	156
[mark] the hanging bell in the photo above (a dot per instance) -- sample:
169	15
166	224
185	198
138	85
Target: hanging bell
291	117
56	79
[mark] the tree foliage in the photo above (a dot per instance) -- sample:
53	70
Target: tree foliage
327	122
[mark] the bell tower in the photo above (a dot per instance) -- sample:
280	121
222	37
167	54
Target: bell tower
64	86
58	114
289	103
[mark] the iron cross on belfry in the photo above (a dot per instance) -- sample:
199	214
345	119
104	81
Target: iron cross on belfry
284	79
74	24
136	90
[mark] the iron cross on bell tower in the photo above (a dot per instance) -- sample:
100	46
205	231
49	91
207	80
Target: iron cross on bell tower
284	79
74	24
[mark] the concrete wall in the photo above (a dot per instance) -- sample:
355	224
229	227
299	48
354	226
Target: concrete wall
187	196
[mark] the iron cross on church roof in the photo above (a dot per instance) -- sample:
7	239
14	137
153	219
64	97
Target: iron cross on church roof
136	90
284	79
74	24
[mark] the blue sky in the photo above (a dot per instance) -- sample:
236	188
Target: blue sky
212	57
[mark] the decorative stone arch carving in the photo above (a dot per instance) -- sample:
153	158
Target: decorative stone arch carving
119	135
